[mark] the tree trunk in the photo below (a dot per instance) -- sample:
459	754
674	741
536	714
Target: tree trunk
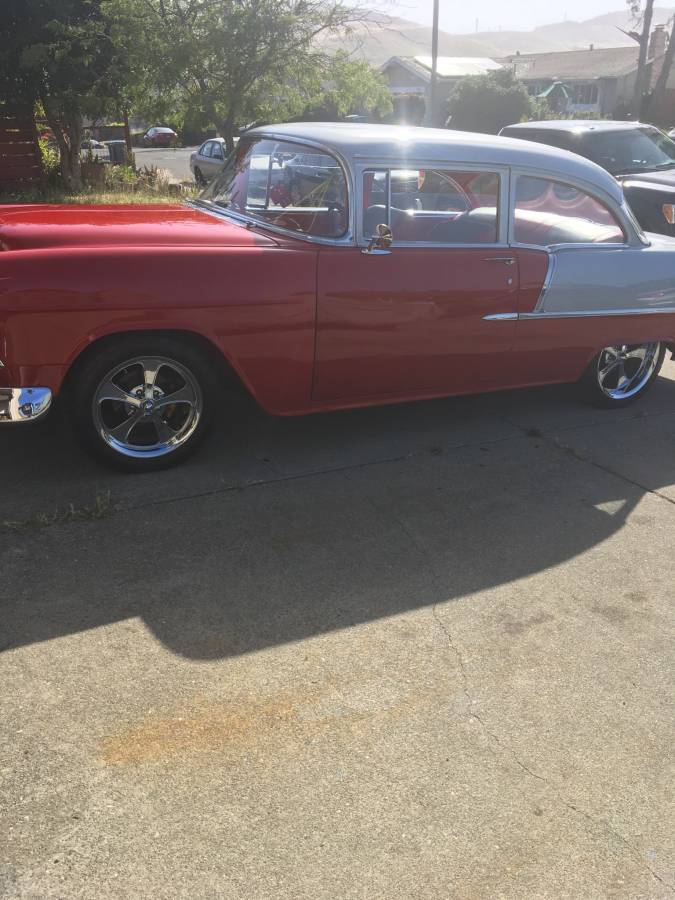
67	135
641	85
655	101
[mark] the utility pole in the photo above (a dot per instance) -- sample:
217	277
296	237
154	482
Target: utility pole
641	83
433	87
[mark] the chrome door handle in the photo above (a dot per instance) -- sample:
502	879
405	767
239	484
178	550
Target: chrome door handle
507	260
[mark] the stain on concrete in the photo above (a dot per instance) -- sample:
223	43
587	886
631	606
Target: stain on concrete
517	627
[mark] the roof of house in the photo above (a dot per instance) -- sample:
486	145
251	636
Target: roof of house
359	143
574	65
447	66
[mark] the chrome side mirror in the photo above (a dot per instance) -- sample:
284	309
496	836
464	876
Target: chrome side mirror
381	241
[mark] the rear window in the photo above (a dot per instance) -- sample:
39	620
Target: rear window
286	185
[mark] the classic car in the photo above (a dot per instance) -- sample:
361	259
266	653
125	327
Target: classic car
639	156
331	266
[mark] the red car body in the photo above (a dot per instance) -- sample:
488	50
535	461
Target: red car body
159	137
305	325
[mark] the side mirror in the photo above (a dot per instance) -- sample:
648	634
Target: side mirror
381	241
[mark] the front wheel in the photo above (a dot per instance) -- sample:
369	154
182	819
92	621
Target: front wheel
621	374
199	178
142	405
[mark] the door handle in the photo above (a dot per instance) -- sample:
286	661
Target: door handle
507	260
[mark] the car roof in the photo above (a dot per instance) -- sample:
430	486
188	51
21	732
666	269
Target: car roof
577	125
357	142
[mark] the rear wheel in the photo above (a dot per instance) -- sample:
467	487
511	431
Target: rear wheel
621	374
142	404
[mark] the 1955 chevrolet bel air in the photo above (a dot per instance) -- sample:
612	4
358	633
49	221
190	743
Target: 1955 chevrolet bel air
331	266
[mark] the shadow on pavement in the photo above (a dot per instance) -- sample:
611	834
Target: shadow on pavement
283	529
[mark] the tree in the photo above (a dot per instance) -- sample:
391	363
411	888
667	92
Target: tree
486	103
642	77
656	100
60	55
231	62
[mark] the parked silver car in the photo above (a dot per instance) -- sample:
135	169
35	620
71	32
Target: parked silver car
208	160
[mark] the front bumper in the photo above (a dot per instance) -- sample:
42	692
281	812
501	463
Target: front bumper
24	404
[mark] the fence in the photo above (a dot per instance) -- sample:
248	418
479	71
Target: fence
20	159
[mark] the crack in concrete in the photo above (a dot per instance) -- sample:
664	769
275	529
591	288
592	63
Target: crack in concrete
501	744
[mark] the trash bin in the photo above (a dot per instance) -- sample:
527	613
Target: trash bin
118	152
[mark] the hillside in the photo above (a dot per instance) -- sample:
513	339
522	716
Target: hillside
387	36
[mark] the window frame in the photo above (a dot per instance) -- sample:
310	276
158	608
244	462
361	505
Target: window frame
216	144
389	164
347	239
632	236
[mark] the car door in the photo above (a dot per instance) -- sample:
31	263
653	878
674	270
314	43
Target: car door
433	314
216	159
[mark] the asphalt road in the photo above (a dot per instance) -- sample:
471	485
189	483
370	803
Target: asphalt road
411	652
177	162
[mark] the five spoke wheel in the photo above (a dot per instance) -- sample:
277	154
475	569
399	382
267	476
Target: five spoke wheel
624	370
147	406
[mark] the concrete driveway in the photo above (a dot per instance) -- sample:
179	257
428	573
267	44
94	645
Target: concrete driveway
175	161
411	652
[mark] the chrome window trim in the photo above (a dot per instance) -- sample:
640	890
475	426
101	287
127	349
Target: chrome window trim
388	163
618	210
347	239
578	314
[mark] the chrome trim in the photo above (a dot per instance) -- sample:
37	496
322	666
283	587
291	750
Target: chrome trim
550	272
24	404
501	317
507	260
578	314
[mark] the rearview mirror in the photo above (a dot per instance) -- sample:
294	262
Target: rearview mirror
381	241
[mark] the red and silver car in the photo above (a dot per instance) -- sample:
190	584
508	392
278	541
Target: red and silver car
331	266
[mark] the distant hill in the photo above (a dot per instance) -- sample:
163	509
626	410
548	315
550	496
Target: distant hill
386	36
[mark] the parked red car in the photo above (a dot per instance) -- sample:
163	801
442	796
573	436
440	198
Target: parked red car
159	137
331	266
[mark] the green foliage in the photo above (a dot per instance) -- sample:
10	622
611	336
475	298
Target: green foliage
50	159
60	53
201	63
487	103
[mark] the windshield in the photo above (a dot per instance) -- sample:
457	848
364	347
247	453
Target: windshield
283	184
636	150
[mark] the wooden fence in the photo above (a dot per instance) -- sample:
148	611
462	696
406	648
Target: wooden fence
20	159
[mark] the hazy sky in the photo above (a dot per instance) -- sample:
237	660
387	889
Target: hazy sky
458	17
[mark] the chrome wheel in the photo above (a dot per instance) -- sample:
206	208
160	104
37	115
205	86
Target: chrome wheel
624	370
147	407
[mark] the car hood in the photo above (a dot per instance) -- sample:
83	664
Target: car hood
665	179
24	227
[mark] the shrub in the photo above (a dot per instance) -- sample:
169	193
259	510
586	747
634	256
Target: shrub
487	103
51	164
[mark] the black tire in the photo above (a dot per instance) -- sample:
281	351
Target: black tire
175	361
200	181
611	396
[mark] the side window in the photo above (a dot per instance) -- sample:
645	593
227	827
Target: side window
436	206
287	185
217	150
206	149
551	212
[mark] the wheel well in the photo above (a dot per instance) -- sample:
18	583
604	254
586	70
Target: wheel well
222	366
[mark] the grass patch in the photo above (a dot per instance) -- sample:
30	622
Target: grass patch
58	195
101	508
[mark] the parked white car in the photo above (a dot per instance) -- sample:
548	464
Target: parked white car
208	160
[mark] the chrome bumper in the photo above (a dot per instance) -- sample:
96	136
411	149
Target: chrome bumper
24	404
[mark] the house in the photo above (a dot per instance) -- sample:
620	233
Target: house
409	79
597	81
